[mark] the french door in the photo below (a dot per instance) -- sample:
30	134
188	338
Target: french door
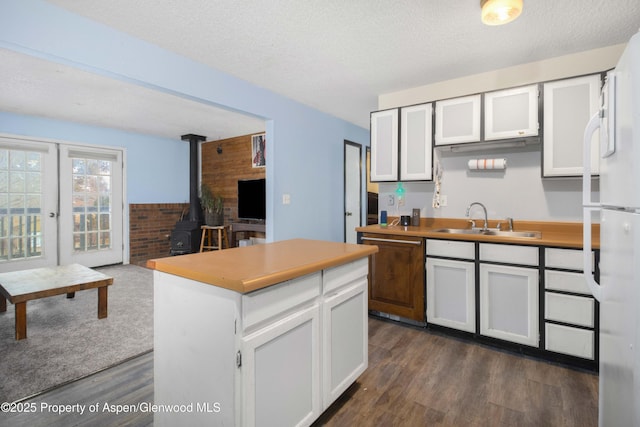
59	204
28	204
90	221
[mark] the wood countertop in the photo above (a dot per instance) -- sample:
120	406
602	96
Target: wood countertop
250	268
556	234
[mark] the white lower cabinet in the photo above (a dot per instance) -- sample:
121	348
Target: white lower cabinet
571	341
281	371
508	292
570	310
345	340
509	303
451	293
278	356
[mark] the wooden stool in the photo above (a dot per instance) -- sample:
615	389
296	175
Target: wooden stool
207	242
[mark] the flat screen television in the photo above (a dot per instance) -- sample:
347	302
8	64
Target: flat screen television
252	199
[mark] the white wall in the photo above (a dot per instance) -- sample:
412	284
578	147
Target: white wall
518	191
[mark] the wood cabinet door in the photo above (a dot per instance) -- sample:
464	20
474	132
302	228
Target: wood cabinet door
384	145
281	371
416	143
458	120
345	340
451	289
511	113
396	283
568	106
509	303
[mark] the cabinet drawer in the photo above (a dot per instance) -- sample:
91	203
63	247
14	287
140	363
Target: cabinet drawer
566	281
569	309
452	249
276	301
337	277
567	340
509	254
571	259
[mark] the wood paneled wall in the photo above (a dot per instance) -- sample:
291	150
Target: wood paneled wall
222	171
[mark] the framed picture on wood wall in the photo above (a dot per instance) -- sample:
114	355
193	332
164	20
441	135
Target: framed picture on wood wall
258	146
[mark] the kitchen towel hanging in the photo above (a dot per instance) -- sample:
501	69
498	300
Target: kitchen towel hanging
436	202
487	164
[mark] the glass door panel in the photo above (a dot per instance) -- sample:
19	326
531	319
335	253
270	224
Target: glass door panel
28	204
91	206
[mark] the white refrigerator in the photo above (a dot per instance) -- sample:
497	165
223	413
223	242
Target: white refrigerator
618	290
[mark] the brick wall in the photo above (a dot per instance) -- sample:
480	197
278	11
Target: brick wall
150	226
222	171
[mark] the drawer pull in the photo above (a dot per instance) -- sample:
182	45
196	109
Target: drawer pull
376	239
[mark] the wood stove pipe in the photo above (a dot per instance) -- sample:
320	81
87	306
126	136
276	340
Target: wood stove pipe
195	211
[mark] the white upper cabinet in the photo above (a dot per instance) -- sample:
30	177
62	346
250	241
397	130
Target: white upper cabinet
416	143
384	145
568	106
511	113
458	120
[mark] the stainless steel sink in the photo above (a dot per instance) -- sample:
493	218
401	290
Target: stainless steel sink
529	234
460	230
491	232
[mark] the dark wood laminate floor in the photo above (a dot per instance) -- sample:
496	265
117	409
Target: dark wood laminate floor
418	378
415	378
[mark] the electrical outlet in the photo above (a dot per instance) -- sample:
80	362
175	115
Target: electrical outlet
391	200
286	199
443	200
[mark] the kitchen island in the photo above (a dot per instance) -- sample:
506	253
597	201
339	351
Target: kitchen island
266	334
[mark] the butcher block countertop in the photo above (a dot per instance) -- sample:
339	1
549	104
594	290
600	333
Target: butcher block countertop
250	268
555	234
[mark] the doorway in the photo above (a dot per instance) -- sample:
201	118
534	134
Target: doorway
352	190
59	204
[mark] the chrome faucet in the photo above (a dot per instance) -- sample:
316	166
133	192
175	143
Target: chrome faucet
509	224
486	220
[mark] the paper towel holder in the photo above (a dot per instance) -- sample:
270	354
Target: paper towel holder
487	164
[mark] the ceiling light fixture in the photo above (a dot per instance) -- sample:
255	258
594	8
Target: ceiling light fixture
498	12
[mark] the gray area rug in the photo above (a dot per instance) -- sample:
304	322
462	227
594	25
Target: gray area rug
66	340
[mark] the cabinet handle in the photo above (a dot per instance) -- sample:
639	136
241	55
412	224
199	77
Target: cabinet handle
376	239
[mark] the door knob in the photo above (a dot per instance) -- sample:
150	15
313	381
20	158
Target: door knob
52	214
348	213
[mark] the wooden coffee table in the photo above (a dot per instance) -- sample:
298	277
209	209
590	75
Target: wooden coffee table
21	286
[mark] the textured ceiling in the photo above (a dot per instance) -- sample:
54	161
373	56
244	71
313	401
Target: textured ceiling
338	56
37	87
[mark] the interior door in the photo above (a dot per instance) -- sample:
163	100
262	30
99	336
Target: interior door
28	204
352	190
91	206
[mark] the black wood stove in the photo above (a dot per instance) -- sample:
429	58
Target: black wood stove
185	237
